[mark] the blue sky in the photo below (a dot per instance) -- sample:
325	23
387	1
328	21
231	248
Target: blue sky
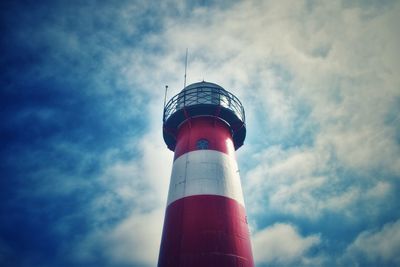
85	172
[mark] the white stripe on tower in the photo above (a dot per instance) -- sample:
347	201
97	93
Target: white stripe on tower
205	172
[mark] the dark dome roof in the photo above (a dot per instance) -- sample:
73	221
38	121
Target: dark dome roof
201	84
204	99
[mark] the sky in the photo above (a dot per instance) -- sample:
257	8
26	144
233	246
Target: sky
84	171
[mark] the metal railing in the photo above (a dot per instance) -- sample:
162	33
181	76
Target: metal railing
204	95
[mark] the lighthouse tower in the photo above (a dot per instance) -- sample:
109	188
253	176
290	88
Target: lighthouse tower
205	220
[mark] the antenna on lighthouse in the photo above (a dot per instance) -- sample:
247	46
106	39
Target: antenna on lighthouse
165	96
186	59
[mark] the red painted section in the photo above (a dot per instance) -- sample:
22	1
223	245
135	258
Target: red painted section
213	129
205	230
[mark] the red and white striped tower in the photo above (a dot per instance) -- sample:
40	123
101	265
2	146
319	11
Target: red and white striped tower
205	220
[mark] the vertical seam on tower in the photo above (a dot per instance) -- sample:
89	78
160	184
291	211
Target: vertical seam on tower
185	180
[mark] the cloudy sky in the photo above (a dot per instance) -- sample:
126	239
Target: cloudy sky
84	170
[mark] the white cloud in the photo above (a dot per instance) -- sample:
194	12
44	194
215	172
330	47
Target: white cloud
137	189
277	56
136	239
281	244
302	182
139	186
376	247
331	57
379	190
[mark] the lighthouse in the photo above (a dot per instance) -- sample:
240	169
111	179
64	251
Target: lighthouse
205	220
